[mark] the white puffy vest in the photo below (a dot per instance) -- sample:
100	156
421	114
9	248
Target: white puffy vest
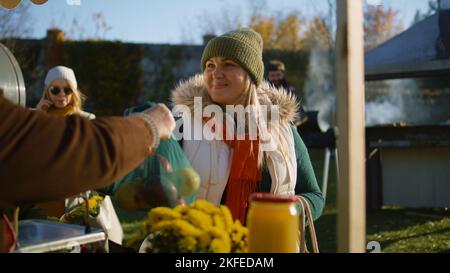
212	160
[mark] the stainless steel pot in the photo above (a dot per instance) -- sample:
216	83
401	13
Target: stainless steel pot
11	78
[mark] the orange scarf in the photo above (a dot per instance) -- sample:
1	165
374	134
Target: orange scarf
245	176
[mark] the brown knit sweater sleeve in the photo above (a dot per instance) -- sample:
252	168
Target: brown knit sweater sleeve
44	157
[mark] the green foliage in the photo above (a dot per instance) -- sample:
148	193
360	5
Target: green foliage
109	73
162	75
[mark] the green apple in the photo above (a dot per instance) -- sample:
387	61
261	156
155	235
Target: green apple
189	181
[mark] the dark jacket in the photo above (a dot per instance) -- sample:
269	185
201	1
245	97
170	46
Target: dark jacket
43	157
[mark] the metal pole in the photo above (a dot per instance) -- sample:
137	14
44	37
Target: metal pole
326	167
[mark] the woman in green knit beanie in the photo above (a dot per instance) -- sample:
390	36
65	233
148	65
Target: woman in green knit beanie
231	168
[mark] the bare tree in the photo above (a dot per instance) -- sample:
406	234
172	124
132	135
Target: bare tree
101	26
188	34
16	23
76	31
79	31
226	19
321	31
257	8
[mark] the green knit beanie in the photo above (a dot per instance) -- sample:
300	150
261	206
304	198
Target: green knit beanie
244	46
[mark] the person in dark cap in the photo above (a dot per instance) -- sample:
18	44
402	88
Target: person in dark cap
276	76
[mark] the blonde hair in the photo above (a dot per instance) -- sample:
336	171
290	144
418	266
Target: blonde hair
253	98
78	98
250	96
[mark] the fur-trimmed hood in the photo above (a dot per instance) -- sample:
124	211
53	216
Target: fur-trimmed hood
268	94
213	159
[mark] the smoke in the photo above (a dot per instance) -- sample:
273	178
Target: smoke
387	102
320	94
396	101
382	113
409	101
320	80
387	107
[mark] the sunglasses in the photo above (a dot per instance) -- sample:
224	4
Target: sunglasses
55	90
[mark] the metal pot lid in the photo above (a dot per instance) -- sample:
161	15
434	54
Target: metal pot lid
11	78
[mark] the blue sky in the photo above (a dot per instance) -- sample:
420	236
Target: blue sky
171	21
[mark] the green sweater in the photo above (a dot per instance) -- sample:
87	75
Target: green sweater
306	180
172	150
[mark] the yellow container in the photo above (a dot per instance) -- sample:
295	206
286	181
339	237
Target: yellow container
273	223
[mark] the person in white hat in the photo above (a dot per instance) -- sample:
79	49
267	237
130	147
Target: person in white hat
61	95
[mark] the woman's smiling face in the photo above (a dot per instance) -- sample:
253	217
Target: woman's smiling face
225	80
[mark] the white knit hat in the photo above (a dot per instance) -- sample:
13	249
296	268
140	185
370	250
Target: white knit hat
61	72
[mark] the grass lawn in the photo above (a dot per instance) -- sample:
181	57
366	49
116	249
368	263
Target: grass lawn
396	229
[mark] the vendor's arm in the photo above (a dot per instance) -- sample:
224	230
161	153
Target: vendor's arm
170	149
45	157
